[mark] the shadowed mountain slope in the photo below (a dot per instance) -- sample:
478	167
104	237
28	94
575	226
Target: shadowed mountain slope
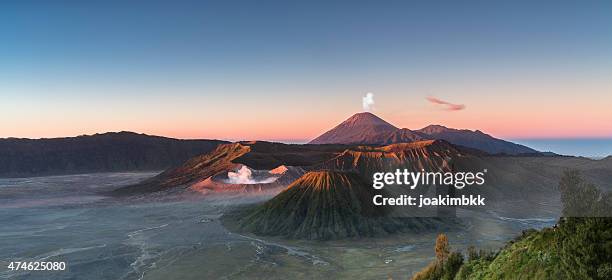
402	135
475	139
197	168
325	205
107	152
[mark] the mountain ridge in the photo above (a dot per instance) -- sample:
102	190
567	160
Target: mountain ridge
258	155
368	129
428	154
103	152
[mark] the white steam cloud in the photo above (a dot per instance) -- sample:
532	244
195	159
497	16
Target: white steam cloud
244	175
367	101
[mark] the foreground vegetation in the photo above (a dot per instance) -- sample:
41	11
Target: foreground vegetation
576	248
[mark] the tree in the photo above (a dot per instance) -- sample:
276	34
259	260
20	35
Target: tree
445	266
442	248
452	265
582	199
585	230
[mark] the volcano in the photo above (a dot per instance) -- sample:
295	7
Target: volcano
324	205
259	181
365	128
209	172
368	129
430	155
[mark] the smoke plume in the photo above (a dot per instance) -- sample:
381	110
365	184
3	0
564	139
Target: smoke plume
244	175
367	101
445	105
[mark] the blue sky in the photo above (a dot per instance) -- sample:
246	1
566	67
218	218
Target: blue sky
290	70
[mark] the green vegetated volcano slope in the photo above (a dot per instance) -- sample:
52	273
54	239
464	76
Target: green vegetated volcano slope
575	248
579	248
533	256
328	205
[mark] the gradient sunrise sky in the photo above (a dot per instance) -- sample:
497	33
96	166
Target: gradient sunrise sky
282	70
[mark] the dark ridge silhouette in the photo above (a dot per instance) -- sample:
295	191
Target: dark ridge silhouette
475	139
107	152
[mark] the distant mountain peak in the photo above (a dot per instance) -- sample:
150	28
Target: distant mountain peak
366	119
368	129
435	126
360	128
432	128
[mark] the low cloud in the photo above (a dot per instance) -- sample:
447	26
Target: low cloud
445	105
367	101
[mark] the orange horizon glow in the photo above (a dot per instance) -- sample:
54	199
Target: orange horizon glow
294	131
541	113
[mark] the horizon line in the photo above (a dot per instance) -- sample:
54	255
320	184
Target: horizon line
291	140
